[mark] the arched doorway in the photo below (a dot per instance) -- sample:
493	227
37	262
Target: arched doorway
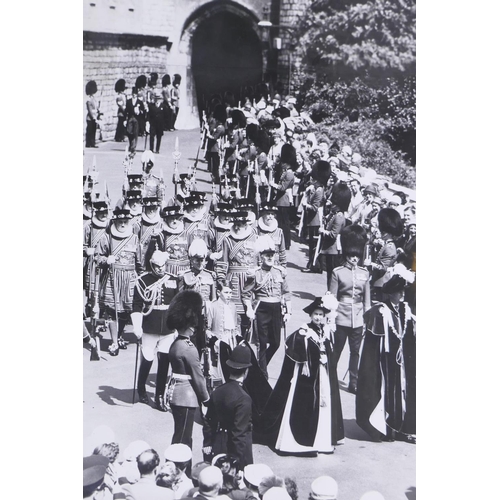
226	56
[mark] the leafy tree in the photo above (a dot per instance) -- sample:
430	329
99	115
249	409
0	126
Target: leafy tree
357	78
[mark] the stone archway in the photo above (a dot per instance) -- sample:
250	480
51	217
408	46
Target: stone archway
223	51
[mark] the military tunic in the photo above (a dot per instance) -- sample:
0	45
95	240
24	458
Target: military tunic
119	280
202	282
176	245
92	234
276	233
238	256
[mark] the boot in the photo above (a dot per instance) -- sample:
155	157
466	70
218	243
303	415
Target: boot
144	370
161	381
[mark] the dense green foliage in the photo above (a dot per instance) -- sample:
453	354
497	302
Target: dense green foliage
356	78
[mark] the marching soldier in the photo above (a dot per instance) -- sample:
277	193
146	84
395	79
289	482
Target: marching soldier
118	254
350	285
238	257
153	185
198	278
172	239
133	182
92	234
268	225
152	295
267	287
187	389
133	201
196	217
121	100
149	224
215	135
92	114
87	208
183	190
220	227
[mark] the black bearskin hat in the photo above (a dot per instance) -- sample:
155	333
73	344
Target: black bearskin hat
91	87
353	240
220	113
289	155
252	131
166	80
238	118
153	79
341	196
262	141
262	90
321	171
120	85
395	284
141	81
177	79
185	310
229	98
389	221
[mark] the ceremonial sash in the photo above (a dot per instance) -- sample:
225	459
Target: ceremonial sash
147	233
115	251
236	248
95	236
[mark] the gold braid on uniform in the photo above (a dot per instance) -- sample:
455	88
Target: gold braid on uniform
151	293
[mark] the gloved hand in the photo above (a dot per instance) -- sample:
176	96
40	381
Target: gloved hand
111	260
90	251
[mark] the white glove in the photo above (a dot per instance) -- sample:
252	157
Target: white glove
92	342
216	255
90	251
250	314
111	260
286	317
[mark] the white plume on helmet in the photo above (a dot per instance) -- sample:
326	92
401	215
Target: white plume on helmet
198	248
264	243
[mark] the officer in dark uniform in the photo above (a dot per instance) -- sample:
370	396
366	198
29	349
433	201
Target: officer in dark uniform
187	389
230	412
350	285
152	295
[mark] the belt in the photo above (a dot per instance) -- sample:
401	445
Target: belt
181	376
269	300
162	307
126	267
237	269
350	300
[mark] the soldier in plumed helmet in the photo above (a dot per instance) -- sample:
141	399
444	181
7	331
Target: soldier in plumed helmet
152	295
149	224
264	292
152	184
92	114
198	278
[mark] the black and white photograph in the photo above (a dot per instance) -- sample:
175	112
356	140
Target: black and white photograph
249	249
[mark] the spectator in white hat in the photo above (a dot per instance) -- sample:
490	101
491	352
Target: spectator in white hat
324	488
180	454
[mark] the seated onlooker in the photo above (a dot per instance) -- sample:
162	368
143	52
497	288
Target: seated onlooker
292	488
128	472
253	474
324	488
195	474
146	488
270	482
372	495
181	455
94	470
210	483
110	451
276	493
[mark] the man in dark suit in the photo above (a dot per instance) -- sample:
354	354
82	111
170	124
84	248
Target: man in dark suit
229	414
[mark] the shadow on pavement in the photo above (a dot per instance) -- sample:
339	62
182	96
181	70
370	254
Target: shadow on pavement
292	265
303	295
113	396
411	493
354	432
